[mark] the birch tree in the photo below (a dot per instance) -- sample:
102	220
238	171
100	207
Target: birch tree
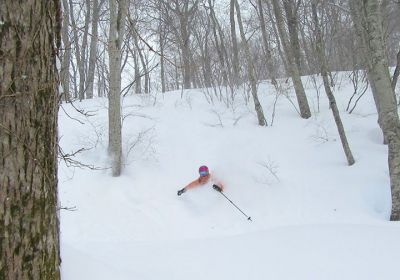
118	12
368	22
29	98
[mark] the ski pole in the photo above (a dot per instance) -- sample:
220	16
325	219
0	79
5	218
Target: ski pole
248	217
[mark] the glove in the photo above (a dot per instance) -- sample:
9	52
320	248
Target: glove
181	191
217	188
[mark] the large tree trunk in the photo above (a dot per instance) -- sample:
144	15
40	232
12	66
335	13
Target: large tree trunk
366	15
250	70
292	66
324	73
29	99
117	29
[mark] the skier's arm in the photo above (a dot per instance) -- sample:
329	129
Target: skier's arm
191	185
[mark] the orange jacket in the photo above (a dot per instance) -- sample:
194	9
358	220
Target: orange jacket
204	180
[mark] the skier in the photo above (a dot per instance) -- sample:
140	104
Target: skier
205	177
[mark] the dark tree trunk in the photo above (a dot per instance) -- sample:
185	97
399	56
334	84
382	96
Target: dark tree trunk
29	225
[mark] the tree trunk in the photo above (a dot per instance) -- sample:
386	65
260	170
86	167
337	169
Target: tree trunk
359	23
276	35
186	56
292	66
66	58
162	67
207	64
93	48
82	66
138	78
369	24
250	70
117	28
324	72
146	76
270	64
219	46
29	99
235	60
80	49
292	23
396	72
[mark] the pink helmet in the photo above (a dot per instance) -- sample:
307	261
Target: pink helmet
203	171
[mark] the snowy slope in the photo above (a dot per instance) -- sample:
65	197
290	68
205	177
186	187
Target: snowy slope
314	217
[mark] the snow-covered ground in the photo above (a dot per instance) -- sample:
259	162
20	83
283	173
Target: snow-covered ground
313	216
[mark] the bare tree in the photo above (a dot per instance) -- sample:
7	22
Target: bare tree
368	22
291	8
93	47
250	70
66	58
291	65
219	45
118	12
29	99
235	50
80	46
184	12
324	72
267	45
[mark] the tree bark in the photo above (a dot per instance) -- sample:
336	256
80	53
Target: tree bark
161	31
276	35
324	73
29	99
66	58
118	11
235	60
93	47
250	70
269	61
291	65
367	19
219	45
396	72
290	7
83	65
